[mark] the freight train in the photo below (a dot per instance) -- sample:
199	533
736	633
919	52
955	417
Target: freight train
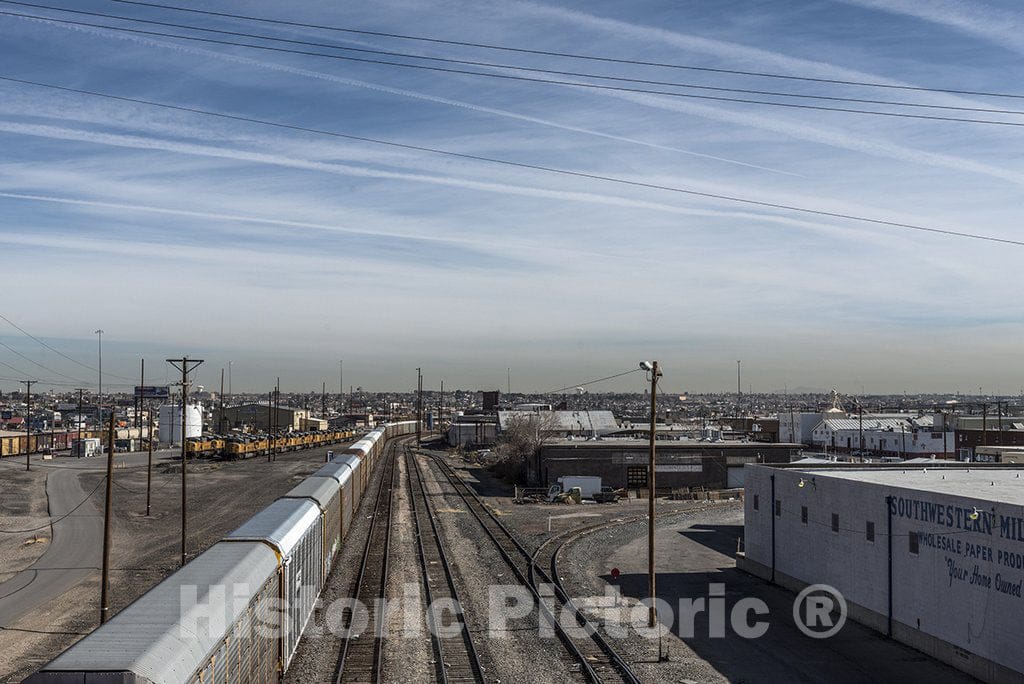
247	446
236	612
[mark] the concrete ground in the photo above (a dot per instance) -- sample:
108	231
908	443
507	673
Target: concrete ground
695	552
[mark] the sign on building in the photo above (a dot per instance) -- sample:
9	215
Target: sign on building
151	392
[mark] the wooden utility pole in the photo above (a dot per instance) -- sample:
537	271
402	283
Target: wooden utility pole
652	612
220	419
81	447
149	462
323	400
107	512
270	420
419	406
28	421
186	366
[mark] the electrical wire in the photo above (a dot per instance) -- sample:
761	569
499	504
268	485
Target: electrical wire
534	167
511	77
56	351
570	55
492	65
592	382
57	520
36	363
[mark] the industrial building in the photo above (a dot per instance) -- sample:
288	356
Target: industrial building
262	417
562	423
932	556
623	463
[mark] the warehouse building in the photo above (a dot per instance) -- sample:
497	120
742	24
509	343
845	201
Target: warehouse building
681	463
932	556
259	417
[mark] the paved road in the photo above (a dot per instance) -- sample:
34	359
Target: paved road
77	541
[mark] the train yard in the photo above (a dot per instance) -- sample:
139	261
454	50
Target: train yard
422	521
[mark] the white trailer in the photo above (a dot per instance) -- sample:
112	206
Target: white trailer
87	447
589	485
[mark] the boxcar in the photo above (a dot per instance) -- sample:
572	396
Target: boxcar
293	528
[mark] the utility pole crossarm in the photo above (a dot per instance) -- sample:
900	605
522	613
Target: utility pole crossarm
186	366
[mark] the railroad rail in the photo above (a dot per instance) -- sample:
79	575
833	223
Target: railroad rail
361	658
456	658
597	660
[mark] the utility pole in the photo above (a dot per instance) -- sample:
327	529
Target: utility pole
220	420
81	448
508	381
186	366
341	384
323	400
149	462
107	514
440	408
984	422
230	364
860	426
739	389
277	413
28	421
652	612
270	420
419	405
99	394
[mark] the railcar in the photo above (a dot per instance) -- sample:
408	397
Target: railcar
254	591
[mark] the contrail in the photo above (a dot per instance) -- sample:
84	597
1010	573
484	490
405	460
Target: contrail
410	94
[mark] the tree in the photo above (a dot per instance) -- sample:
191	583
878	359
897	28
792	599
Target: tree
520	441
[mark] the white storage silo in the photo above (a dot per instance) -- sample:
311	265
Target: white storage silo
170	422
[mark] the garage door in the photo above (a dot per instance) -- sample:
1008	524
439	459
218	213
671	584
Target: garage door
736	477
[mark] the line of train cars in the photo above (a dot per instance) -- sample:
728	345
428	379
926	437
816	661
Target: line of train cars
247	446
236	612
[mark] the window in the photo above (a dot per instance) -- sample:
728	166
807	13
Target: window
778	509
913	543
870	531
636	477
835	522
803	514
756	503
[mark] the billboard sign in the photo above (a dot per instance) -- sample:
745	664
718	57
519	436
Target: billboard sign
152	392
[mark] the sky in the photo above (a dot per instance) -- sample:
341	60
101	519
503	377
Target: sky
282	251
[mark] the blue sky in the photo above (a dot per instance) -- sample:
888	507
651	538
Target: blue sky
285	251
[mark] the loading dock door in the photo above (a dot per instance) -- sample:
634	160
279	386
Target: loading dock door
736	477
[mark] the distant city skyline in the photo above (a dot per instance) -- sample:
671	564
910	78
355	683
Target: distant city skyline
284	250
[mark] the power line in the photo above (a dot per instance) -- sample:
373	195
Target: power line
492	65
55	351
571	55
36	363
527	79
593	382
534	167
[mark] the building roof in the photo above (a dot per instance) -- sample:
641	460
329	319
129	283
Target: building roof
588	422
871	423
1001	483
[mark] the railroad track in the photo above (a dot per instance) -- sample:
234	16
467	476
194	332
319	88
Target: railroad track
455	658
597	661
362	651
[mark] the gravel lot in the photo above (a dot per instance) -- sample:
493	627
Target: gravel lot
222	495
22	507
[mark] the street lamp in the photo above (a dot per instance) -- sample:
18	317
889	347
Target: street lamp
652	614
99	396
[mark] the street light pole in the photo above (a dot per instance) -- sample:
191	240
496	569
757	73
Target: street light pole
99	395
